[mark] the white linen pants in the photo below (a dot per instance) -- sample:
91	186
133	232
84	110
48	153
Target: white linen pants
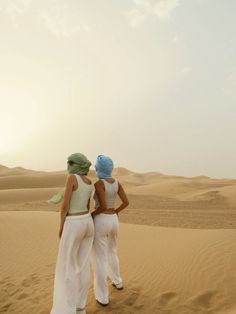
72	273
104	255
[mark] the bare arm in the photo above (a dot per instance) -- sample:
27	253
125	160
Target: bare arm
100	191
124	199
66	201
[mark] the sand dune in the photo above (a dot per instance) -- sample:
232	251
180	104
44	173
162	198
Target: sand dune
165	270
229	193
188	269
5	171
32	181
18	196
155	198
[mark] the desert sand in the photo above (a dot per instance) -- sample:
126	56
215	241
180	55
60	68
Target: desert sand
177	244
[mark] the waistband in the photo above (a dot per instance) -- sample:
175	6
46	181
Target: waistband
106	215
78	217
78	213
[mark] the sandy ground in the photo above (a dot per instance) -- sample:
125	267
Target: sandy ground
177	246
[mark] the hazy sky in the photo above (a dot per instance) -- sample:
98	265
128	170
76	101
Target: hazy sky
151	83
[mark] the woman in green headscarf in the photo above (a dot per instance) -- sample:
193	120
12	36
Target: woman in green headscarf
76	237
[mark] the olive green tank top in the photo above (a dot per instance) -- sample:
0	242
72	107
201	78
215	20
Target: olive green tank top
79	198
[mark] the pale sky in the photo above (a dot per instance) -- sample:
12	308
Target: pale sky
151	83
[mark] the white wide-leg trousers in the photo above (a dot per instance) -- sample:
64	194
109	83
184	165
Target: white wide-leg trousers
104	255
72	273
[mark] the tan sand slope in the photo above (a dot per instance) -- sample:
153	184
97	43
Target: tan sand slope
20	178
151	183
30	181
165	271
155	199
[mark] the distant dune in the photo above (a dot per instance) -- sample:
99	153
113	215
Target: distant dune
5	171
175	201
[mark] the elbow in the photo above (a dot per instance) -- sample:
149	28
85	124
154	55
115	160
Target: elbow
126	203
64	208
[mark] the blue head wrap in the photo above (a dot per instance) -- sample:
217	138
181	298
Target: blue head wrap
104	167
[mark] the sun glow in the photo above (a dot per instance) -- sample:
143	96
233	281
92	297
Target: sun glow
18	118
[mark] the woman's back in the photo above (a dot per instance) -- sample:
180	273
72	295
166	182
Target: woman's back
111	190
80	197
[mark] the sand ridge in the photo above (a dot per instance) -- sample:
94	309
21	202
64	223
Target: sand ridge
155	198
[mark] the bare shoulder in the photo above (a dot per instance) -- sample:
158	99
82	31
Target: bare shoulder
99	184
71	179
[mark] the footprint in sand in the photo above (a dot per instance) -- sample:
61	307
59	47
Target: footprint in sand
166	299
5	307
22	296
204	301
10	285
133	296
36	299
26	282
138	307
14	291
30	281
7	289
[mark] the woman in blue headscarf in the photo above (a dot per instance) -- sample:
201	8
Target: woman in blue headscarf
104	251
76	234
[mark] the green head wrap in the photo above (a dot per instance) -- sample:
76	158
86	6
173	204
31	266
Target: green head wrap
78	163
57	198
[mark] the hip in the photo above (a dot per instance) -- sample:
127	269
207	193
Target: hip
81	225
106	219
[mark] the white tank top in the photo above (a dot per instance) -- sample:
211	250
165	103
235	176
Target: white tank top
111	190
79	198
